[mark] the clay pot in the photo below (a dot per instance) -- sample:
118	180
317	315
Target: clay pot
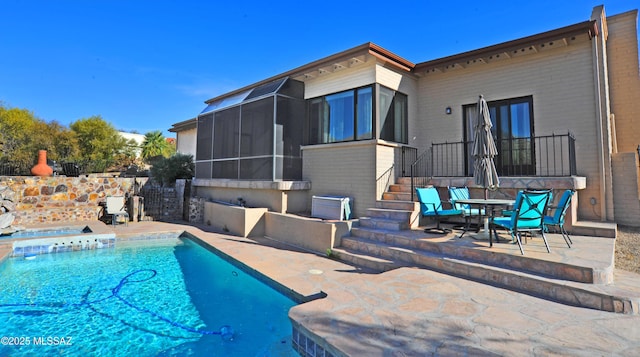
41	168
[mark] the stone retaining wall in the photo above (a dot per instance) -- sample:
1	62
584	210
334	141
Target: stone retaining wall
58	198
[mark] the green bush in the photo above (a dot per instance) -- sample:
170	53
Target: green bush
166	171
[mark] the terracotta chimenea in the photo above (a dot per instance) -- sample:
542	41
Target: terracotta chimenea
41	168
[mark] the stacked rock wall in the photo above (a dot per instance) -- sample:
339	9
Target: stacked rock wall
58	198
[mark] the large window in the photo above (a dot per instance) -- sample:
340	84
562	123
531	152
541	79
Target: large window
349	115
512	130
393	116
341	117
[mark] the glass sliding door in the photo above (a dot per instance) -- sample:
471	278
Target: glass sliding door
512	130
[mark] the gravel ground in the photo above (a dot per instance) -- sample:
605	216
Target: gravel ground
628	249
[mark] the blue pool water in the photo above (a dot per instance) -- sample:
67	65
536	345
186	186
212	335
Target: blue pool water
171	298
32	233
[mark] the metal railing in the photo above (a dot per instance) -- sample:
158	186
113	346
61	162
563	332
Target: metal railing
15	168
383	181
421	171
409	156
540	156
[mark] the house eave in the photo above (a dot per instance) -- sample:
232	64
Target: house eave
348	58
184	125
532	43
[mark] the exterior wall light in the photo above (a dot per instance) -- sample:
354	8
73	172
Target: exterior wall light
447	110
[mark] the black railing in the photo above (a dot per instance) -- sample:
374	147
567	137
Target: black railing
15	169
409	156
383	181
449	159
540	156
421	171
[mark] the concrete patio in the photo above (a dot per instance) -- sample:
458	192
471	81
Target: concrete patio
411	311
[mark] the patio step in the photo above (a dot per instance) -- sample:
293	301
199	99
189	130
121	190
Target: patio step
594	229
384	224
365	260
400	187
397	196
406	205
394	214
557	270
605	297
391	215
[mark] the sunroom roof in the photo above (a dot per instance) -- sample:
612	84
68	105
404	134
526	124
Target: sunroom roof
259	91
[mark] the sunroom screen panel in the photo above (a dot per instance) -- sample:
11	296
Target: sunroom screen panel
257	128
226	133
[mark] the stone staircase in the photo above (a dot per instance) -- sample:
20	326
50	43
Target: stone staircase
387	239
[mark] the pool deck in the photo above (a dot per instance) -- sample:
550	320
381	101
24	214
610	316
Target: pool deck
417	312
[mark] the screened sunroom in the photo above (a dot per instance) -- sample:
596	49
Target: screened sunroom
253	135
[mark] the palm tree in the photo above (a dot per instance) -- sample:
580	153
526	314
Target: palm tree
154	145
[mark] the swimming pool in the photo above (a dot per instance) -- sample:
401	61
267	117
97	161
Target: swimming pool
166	297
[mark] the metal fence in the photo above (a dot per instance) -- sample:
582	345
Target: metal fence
159	202
540	156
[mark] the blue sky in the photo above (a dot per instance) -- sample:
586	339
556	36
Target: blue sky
145	65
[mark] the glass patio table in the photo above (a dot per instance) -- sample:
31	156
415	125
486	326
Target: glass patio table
488	206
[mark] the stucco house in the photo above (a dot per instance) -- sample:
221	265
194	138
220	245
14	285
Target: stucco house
565	105
185	136
137	138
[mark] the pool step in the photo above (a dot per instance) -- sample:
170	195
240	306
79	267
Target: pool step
600	296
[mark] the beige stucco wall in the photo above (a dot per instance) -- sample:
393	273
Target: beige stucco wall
344	169
561	82
241	221
186	142
626	185
341	80
624	78
280	196
310	234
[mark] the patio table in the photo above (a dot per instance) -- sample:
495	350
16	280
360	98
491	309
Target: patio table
488	206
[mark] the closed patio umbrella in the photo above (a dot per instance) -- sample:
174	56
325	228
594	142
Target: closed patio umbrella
484	150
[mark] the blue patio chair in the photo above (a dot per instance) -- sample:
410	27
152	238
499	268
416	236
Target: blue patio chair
431	206
509	212
461	193
527	217
560	211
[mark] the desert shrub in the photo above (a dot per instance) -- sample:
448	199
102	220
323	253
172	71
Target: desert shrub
166	171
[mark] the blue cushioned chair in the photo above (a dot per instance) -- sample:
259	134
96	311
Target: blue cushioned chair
508	212
527	217
431	206
557	219
461	193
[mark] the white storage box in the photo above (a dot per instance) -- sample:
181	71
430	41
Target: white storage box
331	207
